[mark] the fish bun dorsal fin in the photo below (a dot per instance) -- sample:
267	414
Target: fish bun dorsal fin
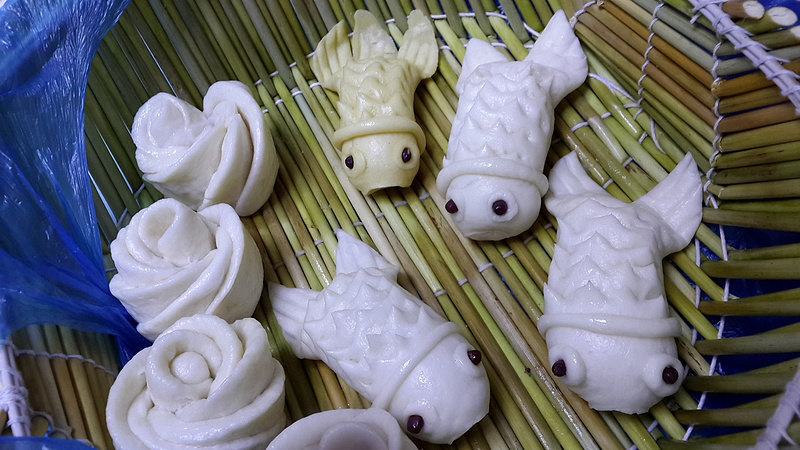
370	38
419	46
331	55
568	180
560	50
353	255
678	201
478	53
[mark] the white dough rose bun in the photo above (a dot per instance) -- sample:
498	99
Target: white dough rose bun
203	383
344	429
173	262
223	154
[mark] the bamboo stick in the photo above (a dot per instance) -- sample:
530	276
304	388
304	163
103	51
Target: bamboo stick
743	9
764	172
759	190
633	48
679	50
760	344
757	98
762	117
787	151
739	383
747	83
729	417
748	308
766	269
777	251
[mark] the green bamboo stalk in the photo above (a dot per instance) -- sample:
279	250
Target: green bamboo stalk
739	383
788	151
777	251
188	51
764	136
765	172
677	39
747	308
761	343
193	32
161	50
765	220
638	433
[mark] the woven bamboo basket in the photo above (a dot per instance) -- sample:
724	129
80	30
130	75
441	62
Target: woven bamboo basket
662	83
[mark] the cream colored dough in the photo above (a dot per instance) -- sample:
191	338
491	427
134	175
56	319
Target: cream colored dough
223	154
203	384
380	141
173	262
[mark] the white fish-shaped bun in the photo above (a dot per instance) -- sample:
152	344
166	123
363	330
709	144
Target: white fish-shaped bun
608	328
386	344
379	139
173	262
223	154
204	383
344	429
492	174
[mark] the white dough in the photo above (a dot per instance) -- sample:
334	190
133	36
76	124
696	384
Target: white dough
344	429
502	131
386	344
224	154
173	262
606	317
203	384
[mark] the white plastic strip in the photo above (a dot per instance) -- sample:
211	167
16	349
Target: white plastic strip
13	396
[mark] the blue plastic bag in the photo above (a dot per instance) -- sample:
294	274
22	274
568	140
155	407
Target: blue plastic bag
51	267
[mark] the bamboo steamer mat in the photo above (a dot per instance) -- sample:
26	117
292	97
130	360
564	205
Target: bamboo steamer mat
629	130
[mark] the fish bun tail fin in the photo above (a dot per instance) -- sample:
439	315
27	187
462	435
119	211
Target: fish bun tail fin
370	38
331	55
568	180
290	306
353	255
419	46
678	201
560	50
478	52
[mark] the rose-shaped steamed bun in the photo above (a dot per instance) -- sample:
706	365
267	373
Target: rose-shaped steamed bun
223	154
173	262
203	384
344	429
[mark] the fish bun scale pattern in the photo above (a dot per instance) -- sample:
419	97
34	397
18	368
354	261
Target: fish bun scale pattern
375	87
503	118
357	334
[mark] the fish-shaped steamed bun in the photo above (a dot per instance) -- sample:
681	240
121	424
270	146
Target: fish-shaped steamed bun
388	345
492	174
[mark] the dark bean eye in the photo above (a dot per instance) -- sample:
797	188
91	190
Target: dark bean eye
406	155
474	356
499	207
669	375
451	207
415	424
559	368
349	162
